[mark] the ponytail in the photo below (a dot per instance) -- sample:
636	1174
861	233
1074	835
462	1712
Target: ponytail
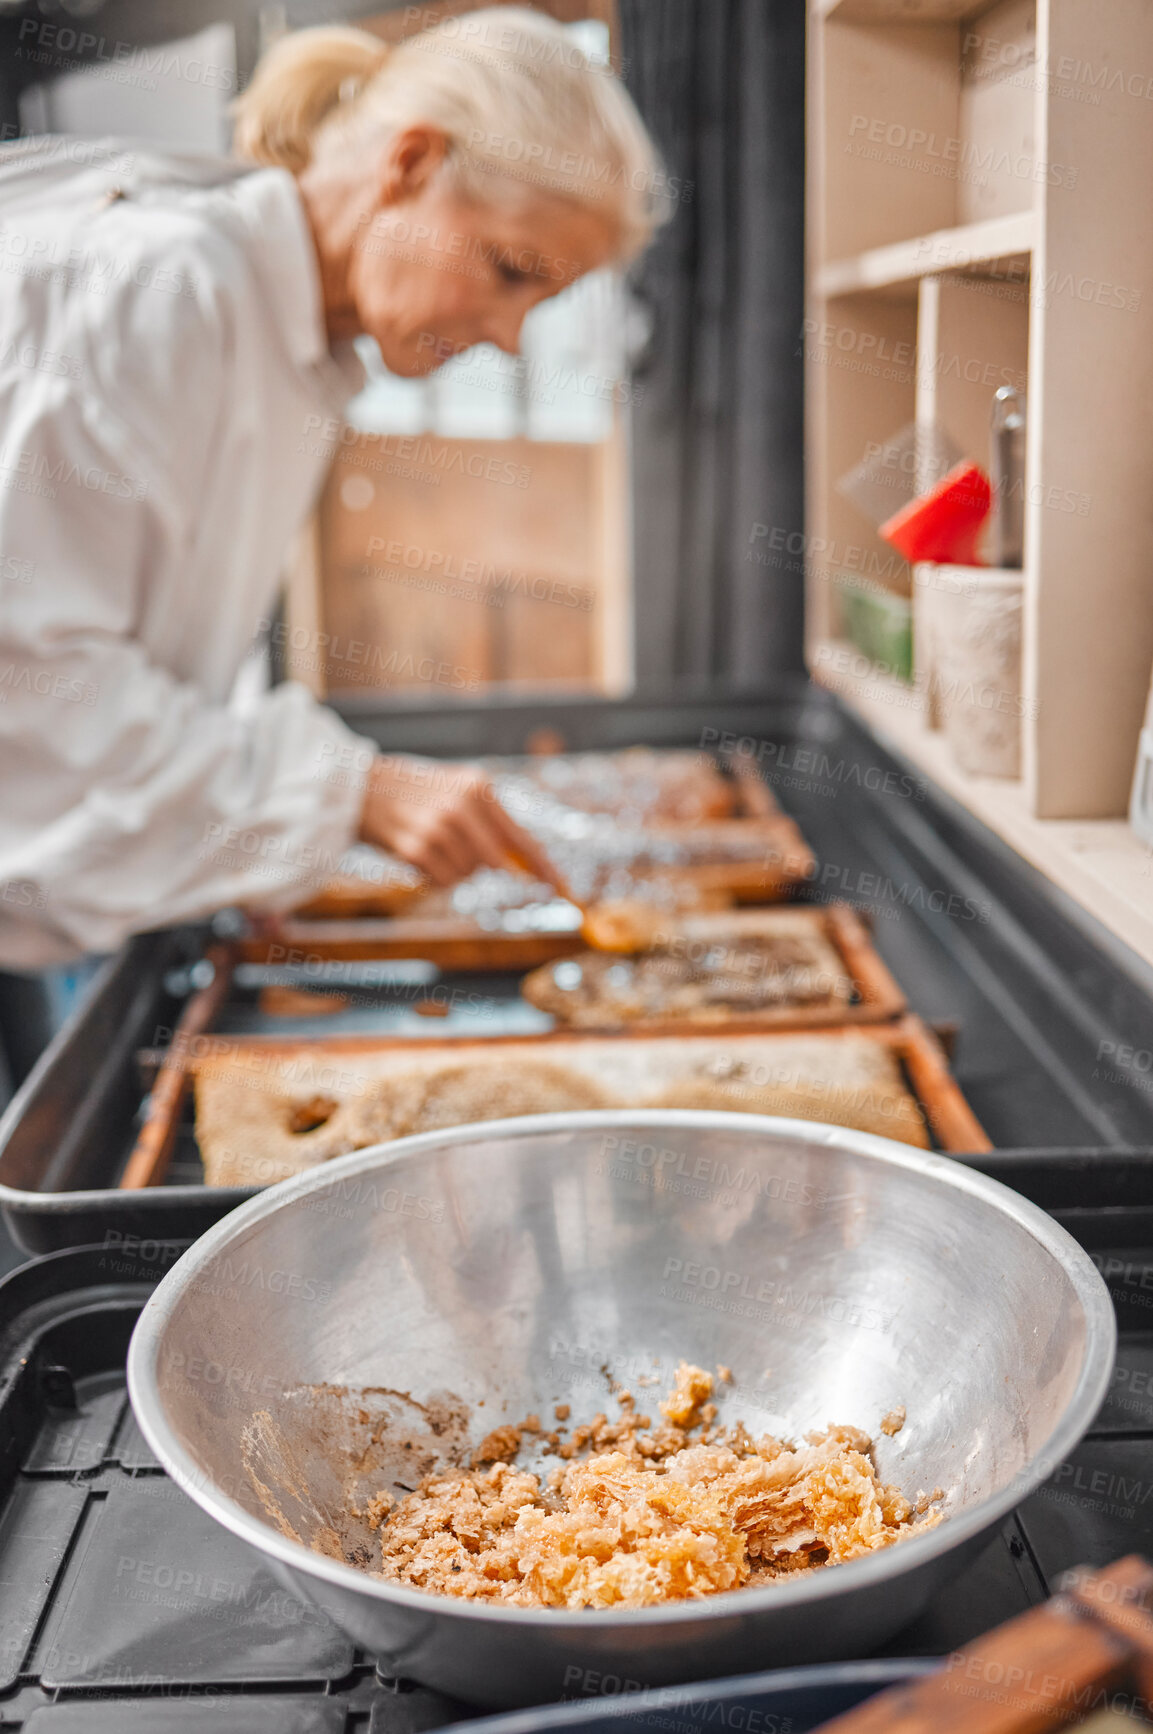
522	109
298	84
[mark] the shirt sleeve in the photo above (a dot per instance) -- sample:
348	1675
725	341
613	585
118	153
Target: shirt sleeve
129	800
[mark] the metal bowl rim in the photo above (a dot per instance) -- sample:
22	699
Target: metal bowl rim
853	1575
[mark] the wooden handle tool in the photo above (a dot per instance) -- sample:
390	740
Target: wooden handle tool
152	1152
621	925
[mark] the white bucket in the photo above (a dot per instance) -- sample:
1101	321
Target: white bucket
975	683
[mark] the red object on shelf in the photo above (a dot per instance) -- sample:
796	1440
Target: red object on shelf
944	525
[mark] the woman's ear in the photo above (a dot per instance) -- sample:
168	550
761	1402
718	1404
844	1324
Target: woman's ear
408	162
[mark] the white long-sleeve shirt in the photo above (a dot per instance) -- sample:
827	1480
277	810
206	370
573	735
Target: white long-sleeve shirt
163	369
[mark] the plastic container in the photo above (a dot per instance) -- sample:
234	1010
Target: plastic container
947	523
895	471
880	624
933	585
975	680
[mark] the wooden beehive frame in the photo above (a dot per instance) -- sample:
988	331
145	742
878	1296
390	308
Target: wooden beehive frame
954	1127
877	996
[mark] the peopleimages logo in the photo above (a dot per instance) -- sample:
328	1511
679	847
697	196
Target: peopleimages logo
448	568
232	1277
85	48
46	685
435	455
953	153
739	1292
37	466
735	1178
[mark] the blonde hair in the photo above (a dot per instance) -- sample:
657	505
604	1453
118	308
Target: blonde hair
520	105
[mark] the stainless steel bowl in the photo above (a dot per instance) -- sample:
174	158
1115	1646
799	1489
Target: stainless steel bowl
505	1268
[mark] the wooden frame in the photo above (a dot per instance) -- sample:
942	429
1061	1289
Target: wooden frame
878	997
148	1162
456	943
1036	1672
453	943
344	900
952	1123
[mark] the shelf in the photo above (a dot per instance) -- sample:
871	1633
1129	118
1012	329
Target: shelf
1100	863
899	11
1004	239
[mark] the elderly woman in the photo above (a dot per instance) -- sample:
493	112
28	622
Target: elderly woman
171	329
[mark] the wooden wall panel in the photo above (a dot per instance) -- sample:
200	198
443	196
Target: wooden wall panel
451	564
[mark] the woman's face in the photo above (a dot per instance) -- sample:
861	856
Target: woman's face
430	274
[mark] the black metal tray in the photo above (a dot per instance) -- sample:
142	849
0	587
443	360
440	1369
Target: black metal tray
1039	994
123	1607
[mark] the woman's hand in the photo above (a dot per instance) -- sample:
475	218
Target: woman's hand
444	818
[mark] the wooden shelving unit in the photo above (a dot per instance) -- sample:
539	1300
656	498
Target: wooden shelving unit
904	264
979	214
1100	863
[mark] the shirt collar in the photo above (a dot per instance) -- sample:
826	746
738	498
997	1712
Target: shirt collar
285	257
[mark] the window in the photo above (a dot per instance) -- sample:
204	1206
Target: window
474	526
